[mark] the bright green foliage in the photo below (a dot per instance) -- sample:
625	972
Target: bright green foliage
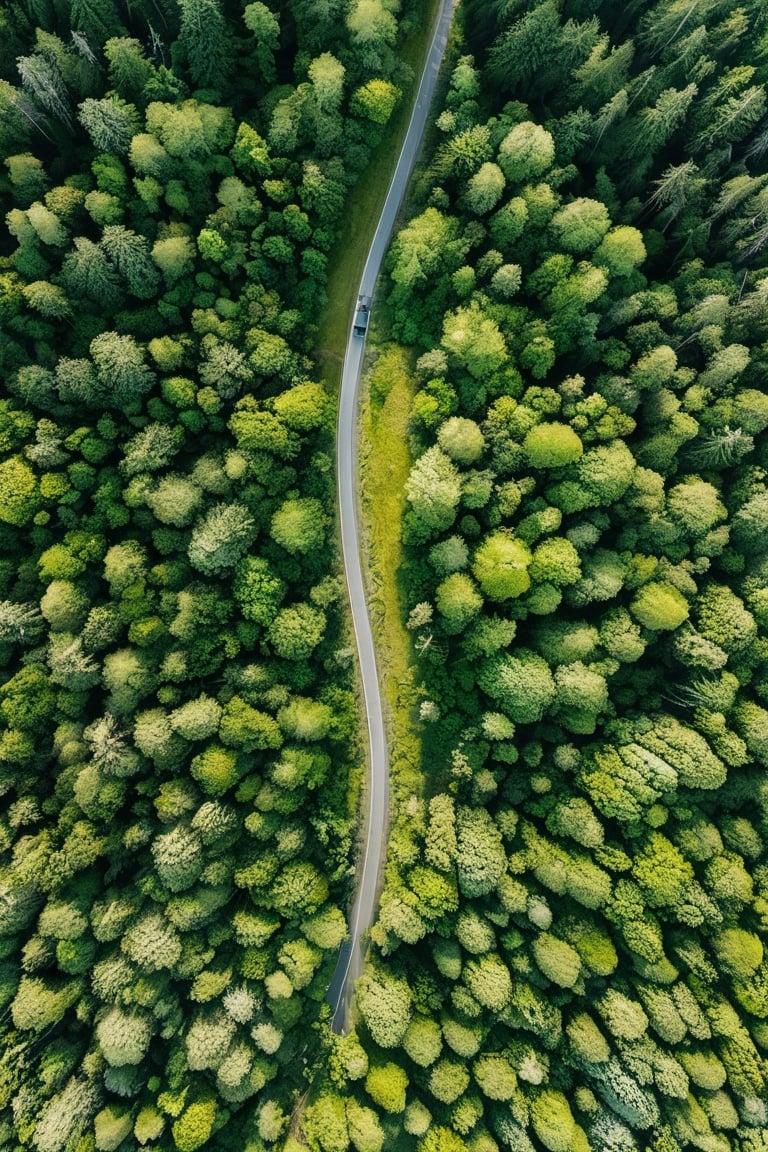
489	981
111	1125
299	526
521	684
119	361
385	1005
621	250
495	1076
485	188
365	1130
552	446
526	152
220	538
480	854
20	491
162	260
723	619
660	607
553	1121
458	601
581	225
178	858
501	566
152	943
194	1126
175	500
558	961
258	590
740	953
196	719
474	933
215	770
386	1085
440	1139
474	341
433	489
296	631
662	873
574	903
448	1080
375	100
38	1006
555	561
325	1124
422	1041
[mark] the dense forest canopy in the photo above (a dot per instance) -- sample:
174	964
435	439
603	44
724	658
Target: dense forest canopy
177	723
570	951
570	948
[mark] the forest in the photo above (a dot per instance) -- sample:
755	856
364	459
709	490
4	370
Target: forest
178	744
570	949
569	954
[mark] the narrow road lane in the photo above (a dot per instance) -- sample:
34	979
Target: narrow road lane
370	867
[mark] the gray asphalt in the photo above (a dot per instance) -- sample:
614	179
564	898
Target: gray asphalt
371	864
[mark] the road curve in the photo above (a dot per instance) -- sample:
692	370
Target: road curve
370	867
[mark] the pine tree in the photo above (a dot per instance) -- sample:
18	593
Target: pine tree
528	49
129	69
130	255
42	80
678	185
110	123
264	26
732	120
202	41
96	19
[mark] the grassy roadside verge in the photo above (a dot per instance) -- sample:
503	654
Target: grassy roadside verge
385	461
364	205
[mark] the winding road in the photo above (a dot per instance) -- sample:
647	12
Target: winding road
370	867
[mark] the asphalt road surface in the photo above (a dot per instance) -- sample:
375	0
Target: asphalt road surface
370	866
